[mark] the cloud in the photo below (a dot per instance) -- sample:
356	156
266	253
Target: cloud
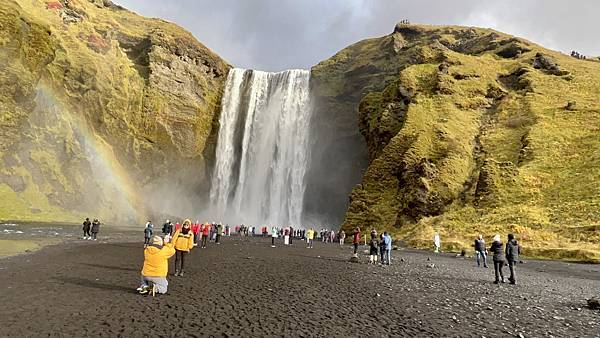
281	34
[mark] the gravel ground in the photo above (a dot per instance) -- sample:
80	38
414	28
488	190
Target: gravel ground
246	288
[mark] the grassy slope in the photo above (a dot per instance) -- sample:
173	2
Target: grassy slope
478	151
108	74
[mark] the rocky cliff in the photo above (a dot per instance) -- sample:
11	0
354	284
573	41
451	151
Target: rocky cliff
102	112
469	131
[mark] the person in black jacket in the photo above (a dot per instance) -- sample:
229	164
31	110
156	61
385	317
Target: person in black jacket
481	251
95	229
498	257
512	256
167	228
87	225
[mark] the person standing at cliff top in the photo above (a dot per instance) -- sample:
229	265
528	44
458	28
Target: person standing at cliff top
95	229
356	240
183	241
480	251
148	231
512	257
87	225
437	242
498	257
156	266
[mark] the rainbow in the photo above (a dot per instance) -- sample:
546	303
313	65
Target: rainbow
118	187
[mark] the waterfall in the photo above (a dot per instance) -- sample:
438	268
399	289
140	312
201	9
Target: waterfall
262	148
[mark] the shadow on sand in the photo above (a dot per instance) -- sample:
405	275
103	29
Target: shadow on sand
93	284
110	267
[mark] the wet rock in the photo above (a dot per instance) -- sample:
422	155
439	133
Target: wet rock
353	259
571	105
430	266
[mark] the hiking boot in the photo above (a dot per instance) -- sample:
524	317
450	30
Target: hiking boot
496	282
176	273
181	274
145	290
140	288
512	281
503	280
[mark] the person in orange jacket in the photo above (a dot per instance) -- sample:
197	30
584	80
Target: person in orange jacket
156	267
183	241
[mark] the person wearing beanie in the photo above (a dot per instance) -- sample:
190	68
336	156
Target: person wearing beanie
156	267
183	241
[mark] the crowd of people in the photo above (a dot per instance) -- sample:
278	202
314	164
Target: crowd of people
179	239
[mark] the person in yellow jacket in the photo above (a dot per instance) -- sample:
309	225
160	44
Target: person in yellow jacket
183	241
156	267
310	236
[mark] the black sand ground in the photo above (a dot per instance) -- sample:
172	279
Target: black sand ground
246	288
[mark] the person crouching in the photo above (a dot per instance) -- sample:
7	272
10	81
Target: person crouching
156	267
183	241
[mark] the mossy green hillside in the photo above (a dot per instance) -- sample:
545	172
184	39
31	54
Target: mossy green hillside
472	135
89	74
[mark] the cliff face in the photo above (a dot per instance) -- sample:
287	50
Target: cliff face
470	131
102	112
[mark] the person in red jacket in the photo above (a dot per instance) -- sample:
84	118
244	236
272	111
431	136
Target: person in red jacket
205	233
356	240
195	231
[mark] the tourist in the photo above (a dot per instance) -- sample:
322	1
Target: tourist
148	230
332	236
437	242
498	258
291	234
167	228
183	241
87	225
512	256
219	233
274	233
356	240
310	236
195	231
381	248
95	229
480	251
387	239
373	247
342	236
156	267
205	234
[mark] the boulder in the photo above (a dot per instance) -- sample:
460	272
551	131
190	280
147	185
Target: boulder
353	259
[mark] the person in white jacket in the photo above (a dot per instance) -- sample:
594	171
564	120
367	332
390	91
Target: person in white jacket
273	236
437	242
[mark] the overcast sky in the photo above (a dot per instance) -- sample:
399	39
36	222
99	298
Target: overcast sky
280	34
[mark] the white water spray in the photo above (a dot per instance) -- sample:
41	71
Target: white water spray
262	148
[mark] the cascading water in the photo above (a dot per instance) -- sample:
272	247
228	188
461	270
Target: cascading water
262	148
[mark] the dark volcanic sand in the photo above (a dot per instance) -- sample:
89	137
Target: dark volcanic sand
246	288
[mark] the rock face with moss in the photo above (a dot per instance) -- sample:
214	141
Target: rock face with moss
467	132
101	110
